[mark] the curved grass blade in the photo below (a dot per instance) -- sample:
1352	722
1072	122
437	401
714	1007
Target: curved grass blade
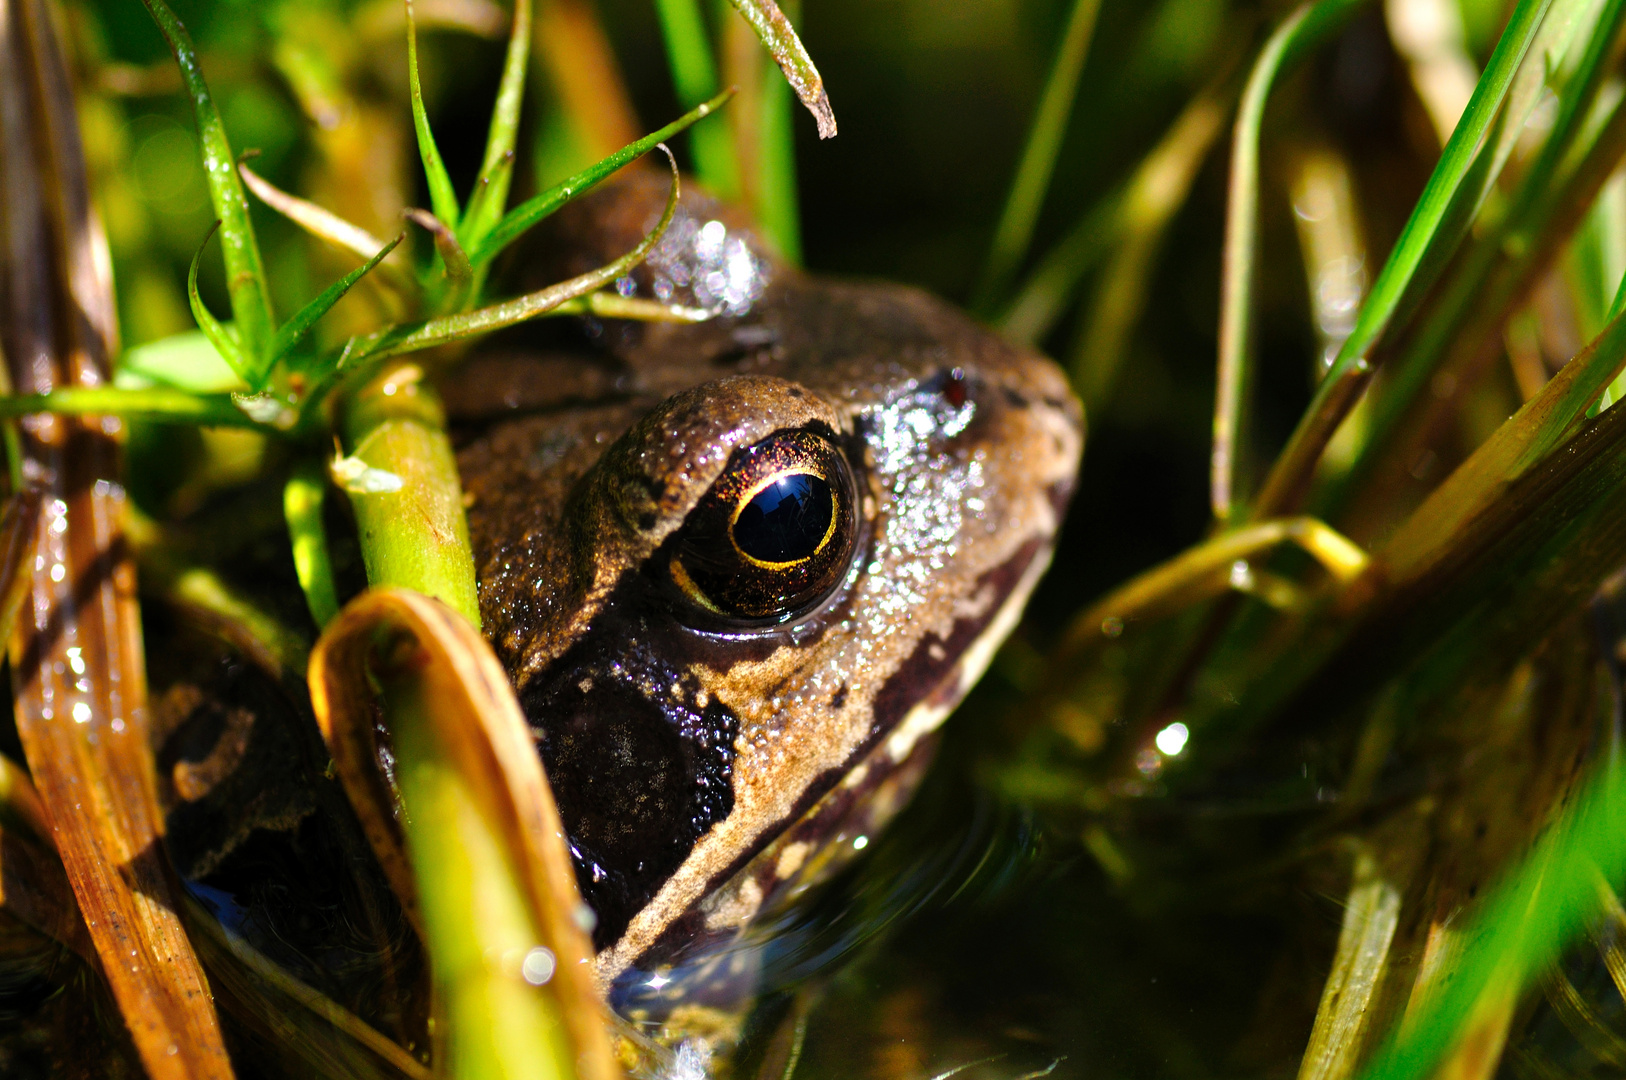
1014	232
1310	24
441	196
1202	572
221	338
298	326
779	37
475	799
522	217
245	272
1433	231
404	339
497	167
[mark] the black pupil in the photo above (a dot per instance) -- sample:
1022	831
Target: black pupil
787	520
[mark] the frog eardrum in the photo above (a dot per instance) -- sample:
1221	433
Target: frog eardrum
775	534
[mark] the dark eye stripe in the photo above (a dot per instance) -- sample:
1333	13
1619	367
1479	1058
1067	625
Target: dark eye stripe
786	520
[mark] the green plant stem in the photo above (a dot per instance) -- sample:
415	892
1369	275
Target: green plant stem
416	536
302	499
472	907
694	74
1015	229
1300	32
474	913
777	203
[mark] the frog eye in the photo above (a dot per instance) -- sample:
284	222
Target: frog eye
774	535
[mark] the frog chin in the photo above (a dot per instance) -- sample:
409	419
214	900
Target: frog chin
711	907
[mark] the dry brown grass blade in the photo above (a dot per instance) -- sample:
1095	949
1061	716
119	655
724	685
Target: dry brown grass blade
77	665
479	723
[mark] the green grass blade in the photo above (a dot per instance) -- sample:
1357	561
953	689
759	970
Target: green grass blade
778	204
779	37
159	403
1014	232
497	168
245	272
1300	32
1521	929
298	326
411	338
694	75
1504	264
526	214
778	207
1525	440
302	499
442	199
223	340
1429	236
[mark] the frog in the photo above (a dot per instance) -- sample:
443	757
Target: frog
739	571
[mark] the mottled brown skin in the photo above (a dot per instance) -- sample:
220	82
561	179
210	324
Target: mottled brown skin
704	765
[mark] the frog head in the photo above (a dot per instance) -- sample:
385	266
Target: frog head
741	571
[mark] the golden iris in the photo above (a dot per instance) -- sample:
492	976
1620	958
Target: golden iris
774	535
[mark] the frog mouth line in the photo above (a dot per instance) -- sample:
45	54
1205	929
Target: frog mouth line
932	685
